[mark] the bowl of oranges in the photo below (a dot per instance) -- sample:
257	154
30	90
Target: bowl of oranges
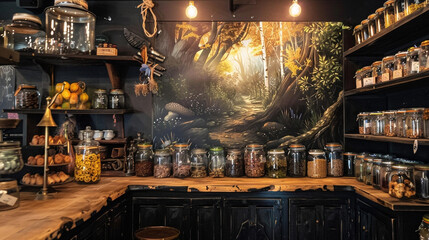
72	97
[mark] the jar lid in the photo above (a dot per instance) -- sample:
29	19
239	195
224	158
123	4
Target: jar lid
376	63
372	16
297	147
377	161
380	10
389	112
389	58
100	91
415	110
368	159
349	154
276	151
401	111
117	91
364	22
199	151
234	151
402	167
144	145
414	49
363	114
361	155
387	163
72	3
357	27
426	218
333	145
255	146
422	167
376	113
424	43
401	54
388	3
162	152
315	151
26	17
216	149
181	145
8	183
367	68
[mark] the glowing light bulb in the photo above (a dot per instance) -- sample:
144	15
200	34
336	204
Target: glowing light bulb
191	10
295	9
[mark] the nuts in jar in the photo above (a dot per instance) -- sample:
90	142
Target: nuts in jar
316	164
143	160
335	159
401	185
181	161
199	162
389	13
27	97
234	163
254	160
390	123
162	162
364	123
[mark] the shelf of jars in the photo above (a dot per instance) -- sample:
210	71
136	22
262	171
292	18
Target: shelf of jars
104	141
420	141
70	111
79	59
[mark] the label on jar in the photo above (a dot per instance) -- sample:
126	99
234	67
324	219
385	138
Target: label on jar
415	67
8	199
358	84
397	73
385	77
368	81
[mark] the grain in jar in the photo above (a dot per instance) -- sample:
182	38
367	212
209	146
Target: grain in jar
414	5
234	166
379	19
143	160
424	56
349	167
401	129
389	123
364	123
401	185
400	9
199	161
426	123
377	123
365	30
359	166
376	71
359	78
386	168
414	123
367	78
357	33
367	173
316	164
400	68
375	173
181	161
276	165
254	160
162	163
421	179
217	162
387	68
413	63
296	161
334	153
389	13
372	27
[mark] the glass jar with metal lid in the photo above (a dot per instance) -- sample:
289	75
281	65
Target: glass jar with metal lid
116	99
367	78
401	129
334	153
181	161
414	123
389	13
365	31
424	228
22	33
296	161
376	71
88	162
377	123
387	68
316	164
9	190
143	160
99	100
379	19
162	163
400	65
414	5
421	179
386	168
390	123
424	56
349	164
27	97
199	162
400	182
372	27
276	165
359	78
364	123
367	173
234	166
413	63
359	166
357	33
217	162
254	160
10	157
400	9
375	173
70	27
426	123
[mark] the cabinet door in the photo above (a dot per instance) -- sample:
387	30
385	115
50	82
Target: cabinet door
373	224
118	227
206	219
253	218
95	230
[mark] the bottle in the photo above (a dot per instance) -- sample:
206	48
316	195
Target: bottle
88	163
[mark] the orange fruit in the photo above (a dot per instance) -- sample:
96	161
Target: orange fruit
74	99
79	91
58	87
84	97
59	100
74	87
65	105
66	94
67	85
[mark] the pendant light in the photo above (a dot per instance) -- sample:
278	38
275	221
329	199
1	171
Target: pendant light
295	9
191	10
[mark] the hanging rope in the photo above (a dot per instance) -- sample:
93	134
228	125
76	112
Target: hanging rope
146	6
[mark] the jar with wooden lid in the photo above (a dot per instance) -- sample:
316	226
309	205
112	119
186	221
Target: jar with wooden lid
386	168
424	56
88	162
357	33
143	160
367	173
426	123
367	78
379	19
254	160
9	192
377	123
387	68
389	13
401	185
414	123
390	123
334	153
365	30
400	65
234	166
316	164
27	97
413	63
349	164
372	27
296	161
401	130
22	32
375	173
276	165
364	123
181	161
400	9
199	161
376	71
359	78
217	162
421	179
359	166
414	5
162	163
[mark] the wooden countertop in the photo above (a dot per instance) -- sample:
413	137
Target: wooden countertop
73	202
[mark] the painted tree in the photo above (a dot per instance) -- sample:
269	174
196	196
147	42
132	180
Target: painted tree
264	56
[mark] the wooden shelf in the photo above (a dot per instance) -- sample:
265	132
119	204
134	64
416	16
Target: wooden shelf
421	141
8	56
70	111
113	141
411	30
399	82
77	59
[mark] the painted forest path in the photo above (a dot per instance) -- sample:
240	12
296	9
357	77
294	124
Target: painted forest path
242	113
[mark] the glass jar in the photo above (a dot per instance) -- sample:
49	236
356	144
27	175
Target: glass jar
116	99
400	65
364	123
316	164
426	123
387	68
70	28
401	130
421	179
367	173
10	157
276	165
27	97
414	5
334	153
22	33
372	27
400	9
359	166
234	163
162	163
390	123
99	100
88	163
358	35
296	161
424	228
359	78
414	123
389	13
349	164
377	123
379	19
181	161
400	182
199	161
367	78
424	56
386	168
9	190
143	160
254	160
375	173
365	31
413	63
217	162
376	71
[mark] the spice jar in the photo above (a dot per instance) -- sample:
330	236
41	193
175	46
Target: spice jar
364	123
9	192
372	27
99	100
386	168
390	123
365	31
181	162
27	97
143	160
254	160
401	130
424	228
316	164
414	5
359	78
296	161
400	182
414	123
400	9
199	161
367	78
421	179
367	173
217	162
413	63
21	34
389	13
400	68
376	71
379	19
234	163
426	123
116	99
377	123
424	56
349	164
88	163
387	67
357	33
10	157
334	151
162	163
276	165
359	166
375	173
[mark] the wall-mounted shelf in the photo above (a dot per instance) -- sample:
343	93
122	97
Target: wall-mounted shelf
113	141
70	111
76	59
421	141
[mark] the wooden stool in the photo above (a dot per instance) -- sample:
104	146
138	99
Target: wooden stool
157	233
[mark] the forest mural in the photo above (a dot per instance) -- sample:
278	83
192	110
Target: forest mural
235	83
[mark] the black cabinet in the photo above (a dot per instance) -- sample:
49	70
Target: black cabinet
206	218
373	224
